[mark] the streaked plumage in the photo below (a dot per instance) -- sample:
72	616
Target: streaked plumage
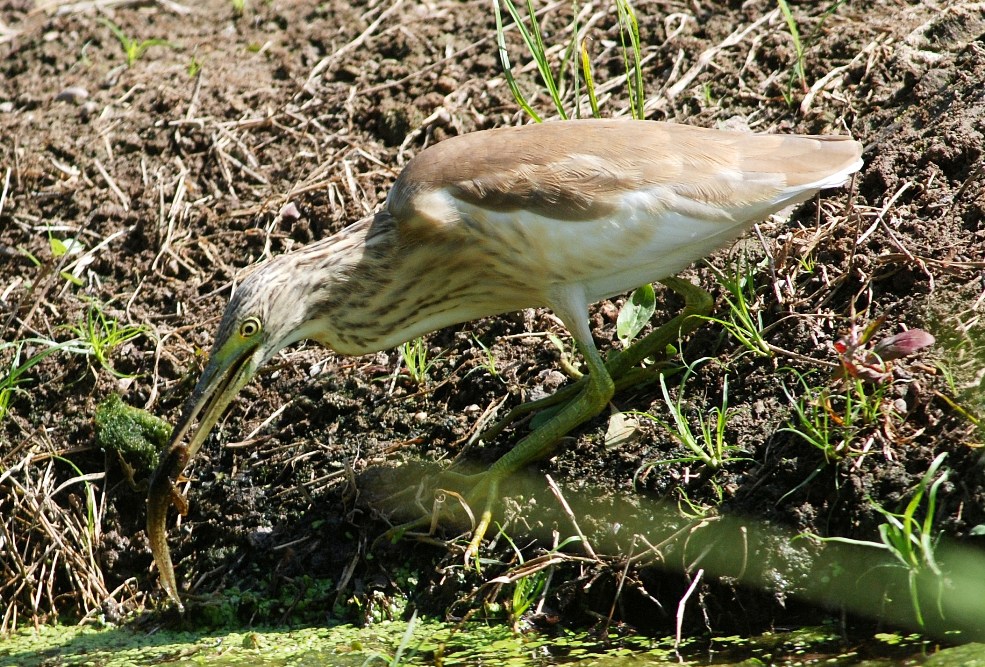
558	215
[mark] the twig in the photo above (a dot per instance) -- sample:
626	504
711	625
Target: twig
328	60
124	200
619	587
683	603
7	34
455	57
799	357
571	517
708	55
6	188
819	85
774	279
975	173
62	9
479	428
859	240
84	260
943	264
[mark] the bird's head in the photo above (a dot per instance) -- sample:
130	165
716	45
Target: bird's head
266	313
274	306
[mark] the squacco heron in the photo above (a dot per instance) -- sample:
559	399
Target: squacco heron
559	215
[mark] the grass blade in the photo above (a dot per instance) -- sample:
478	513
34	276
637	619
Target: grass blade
629	28
504	58
586	70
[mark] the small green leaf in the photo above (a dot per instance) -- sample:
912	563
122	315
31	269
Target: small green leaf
635	314
78	282
58	247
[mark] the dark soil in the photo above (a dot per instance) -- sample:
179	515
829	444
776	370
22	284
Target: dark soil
174	180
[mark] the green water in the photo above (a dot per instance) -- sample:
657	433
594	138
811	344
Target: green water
432	643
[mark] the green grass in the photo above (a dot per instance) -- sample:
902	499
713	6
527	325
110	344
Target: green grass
194	67
797	73
632	56
133	49
575	58
589	78
529	579
832	420
95	337
100	334
531	37
912	541
17	370
705	435
16	374
414	354
812	422
744	319
488	359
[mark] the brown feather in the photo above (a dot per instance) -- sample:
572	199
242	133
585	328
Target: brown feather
575	170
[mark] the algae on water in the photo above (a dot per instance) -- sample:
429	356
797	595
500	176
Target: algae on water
136	435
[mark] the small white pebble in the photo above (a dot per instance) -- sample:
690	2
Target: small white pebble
420	417
88	109
113	76
76	94
471	409
289	212
552	379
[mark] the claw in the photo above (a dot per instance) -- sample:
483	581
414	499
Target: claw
491	481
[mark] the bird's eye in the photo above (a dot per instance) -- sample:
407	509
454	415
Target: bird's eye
249	328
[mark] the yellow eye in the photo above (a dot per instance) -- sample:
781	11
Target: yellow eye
250	327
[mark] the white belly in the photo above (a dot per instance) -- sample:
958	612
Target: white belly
624	250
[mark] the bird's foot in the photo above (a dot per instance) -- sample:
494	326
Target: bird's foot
484	495
453	495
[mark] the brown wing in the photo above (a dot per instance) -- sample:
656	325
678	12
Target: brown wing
577	170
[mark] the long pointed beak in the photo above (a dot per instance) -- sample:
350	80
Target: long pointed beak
229	368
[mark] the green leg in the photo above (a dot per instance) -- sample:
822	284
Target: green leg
622	366
581	401
592	394
591	400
